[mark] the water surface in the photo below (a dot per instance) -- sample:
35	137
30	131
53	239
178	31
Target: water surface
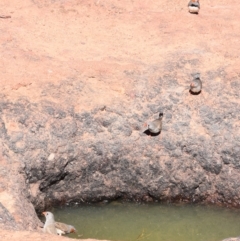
151	222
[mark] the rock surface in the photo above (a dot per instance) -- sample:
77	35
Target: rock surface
80	78
36	236
232	239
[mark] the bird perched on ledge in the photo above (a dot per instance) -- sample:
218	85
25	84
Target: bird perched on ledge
156	125
196	84
194	6
53	227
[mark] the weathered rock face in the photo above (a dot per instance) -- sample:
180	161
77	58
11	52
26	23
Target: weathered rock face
73	103
16	210
103	153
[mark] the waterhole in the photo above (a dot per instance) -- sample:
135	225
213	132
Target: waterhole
153	222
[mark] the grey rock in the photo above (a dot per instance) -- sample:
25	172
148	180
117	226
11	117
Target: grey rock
102	153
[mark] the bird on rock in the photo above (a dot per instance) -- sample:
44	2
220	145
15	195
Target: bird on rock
53	227
196	84
194	6
156	125
49	226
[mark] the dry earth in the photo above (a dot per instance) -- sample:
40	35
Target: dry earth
114	55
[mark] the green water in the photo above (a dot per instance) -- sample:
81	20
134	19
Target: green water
153	222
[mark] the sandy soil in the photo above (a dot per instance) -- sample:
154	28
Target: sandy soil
36	236
46	42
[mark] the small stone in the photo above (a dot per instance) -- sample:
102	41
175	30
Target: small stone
51	157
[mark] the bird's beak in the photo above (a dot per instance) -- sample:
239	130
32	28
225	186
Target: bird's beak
44	213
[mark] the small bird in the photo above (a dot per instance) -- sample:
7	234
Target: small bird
49	226
156	125
53	227
196	84
194	6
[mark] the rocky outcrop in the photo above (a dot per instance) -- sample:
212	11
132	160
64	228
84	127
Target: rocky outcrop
16	209
73	104
103	153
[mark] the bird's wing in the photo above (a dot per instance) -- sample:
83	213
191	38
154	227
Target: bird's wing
61	226
65	227
189	4
156	124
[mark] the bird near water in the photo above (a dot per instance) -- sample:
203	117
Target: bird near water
194	6
49	226
196	84
53	227
156	125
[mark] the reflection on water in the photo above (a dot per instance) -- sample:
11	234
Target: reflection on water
153	222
